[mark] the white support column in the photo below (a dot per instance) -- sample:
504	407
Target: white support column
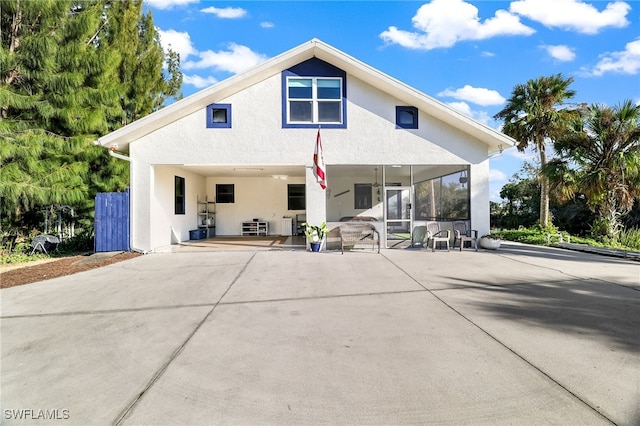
316	199
480	197
140	205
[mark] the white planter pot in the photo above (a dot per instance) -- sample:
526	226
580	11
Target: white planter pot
489	243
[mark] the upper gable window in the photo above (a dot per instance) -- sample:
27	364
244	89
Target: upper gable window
314	93
407	117
314	100
219	116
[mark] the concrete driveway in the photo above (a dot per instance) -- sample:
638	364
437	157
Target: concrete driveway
523	335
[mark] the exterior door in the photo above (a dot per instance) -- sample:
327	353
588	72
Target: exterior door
398	216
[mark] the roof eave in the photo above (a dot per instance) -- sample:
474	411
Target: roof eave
139	128
495	139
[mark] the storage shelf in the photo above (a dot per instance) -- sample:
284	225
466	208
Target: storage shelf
206	216
255	228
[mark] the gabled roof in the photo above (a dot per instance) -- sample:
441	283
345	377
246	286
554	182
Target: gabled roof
313	48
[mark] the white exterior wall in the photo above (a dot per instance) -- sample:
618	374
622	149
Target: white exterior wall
168	227
261	198
257	138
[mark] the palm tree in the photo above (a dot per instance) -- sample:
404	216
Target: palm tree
534	114
600	158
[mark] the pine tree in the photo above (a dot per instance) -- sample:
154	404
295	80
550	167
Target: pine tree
70	72
38	165
145	88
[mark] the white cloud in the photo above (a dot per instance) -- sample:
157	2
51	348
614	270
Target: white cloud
443	23
497	179
573	14
267	24
169	4
198	81
487	54
476	95
496	175
464	108
560	52
226	13
624	62
237	58
179	42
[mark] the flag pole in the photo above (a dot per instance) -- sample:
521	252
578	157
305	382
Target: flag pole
319	167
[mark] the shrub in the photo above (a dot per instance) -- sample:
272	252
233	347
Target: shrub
630	238
82	242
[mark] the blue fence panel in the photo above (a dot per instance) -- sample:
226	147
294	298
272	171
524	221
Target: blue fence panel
111	221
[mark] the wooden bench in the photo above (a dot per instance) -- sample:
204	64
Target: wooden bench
352	233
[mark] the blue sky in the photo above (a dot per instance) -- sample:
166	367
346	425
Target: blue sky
468	54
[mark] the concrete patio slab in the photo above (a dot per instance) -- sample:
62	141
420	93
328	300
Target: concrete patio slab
144	282
523	335
372	359
581	333
83	369
298	275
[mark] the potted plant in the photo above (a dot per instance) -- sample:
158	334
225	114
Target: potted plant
315	234
489	242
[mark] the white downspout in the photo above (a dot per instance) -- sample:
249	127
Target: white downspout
113	153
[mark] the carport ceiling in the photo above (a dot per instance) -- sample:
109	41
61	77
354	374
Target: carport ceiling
246	171
368	171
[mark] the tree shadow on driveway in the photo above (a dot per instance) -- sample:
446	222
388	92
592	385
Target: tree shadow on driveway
574	306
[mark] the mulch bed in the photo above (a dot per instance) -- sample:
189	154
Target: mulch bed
57	268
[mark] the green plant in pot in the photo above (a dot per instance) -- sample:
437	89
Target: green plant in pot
489	242
315	234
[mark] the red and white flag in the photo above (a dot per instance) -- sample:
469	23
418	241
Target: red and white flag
319	169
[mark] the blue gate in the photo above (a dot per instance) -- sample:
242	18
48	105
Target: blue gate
111	221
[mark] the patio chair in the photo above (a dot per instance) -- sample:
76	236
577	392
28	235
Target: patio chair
436	235
44	243
418	236
463	235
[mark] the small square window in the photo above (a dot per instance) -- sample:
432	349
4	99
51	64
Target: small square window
219	116
225	193
407	117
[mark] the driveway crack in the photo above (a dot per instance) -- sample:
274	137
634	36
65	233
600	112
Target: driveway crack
504	345
160	372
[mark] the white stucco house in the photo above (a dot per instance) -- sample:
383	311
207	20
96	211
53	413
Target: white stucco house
245	145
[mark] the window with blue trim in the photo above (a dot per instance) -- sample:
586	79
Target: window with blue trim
219	116
407	117
314	92
316	100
